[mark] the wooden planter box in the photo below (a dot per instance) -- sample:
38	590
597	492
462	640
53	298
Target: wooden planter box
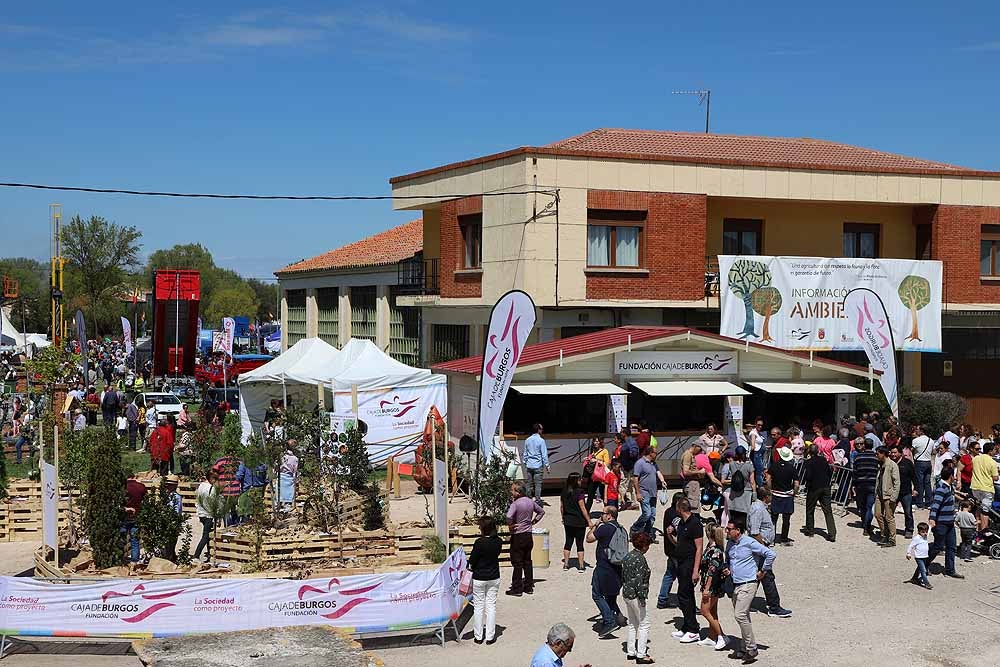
403	546
466	536
351	506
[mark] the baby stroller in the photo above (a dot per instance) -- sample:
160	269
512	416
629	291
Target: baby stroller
988	541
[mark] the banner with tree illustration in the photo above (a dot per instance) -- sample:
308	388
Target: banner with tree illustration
797	303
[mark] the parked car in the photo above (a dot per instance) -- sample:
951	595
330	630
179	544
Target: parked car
166	404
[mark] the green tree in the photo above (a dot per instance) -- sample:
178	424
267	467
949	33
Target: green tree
104	508
491	494
745	277
235	299
101	254
766	302
267	296
33	288
355	460
160	526
915	293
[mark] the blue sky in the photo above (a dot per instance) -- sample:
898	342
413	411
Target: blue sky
335	98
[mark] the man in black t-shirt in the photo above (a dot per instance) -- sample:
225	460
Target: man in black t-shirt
688	534
907	478
670	518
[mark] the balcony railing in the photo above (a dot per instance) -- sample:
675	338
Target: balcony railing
417	276
711	276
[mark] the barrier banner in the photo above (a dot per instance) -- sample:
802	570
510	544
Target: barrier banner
157	608
871	325
511	320
797	303
395	418
127	335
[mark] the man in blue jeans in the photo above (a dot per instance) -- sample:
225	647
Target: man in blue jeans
644	478
536	461
942	523
135	492
670	520
923	453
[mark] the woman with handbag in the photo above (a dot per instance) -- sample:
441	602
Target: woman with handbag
483	577
575	519
713	562
595	468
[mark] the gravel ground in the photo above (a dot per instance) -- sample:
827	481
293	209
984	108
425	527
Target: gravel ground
850	606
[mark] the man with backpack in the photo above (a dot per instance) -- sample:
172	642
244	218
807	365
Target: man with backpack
606	582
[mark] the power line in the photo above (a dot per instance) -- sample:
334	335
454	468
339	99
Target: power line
198	195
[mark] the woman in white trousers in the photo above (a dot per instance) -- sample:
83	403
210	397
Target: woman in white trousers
635	590
484	561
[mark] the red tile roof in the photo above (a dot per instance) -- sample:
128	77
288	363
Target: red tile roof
724	149
608	339
388	247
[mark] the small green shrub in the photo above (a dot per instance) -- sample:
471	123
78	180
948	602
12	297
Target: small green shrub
435	549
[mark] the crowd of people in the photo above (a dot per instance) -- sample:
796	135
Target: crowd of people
723	531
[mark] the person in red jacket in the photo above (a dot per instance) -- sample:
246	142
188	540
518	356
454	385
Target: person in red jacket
161	448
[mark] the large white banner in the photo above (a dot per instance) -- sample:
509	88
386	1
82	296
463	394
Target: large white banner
156	608
50	505
797	303
867	315
127	335
395	417
511	320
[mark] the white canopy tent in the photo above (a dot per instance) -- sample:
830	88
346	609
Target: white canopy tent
9	335
393	399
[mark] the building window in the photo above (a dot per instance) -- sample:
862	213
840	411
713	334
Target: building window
327	305
472	240
364	317
861	240
741	237
450	341
989	249
615	238
404	332
295	307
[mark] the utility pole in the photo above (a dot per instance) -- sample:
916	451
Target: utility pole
56	278
704	96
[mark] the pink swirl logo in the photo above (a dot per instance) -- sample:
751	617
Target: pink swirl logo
148	611
306	590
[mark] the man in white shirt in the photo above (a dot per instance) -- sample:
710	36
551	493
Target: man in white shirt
923	453
756	440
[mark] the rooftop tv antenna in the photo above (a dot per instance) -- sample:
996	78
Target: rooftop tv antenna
704	96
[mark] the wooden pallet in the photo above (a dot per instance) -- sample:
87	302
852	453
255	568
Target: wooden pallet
21	514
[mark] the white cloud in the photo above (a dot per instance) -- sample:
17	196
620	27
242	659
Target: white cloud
202	40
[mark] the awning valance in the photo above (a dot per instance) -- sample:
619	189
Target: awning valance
570	389
805	388
690	388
